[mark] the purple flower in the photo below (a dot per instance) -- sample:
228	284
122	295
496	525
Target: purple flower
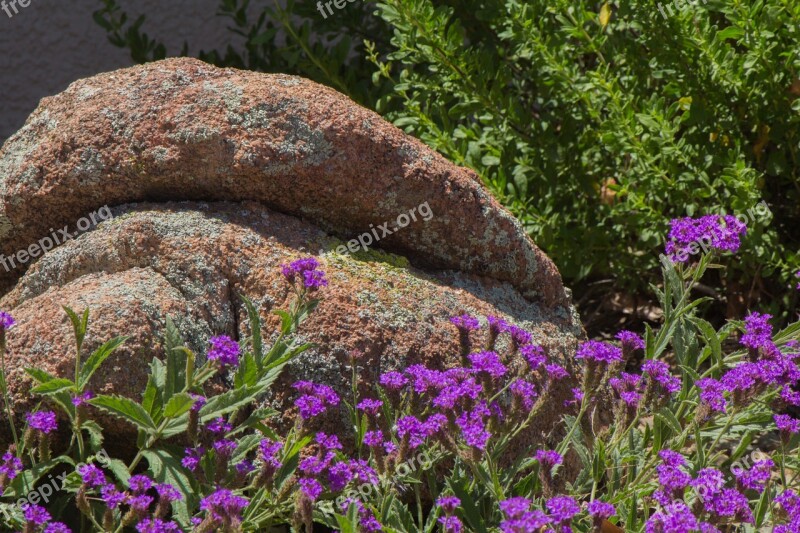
224	447
6	321
630	341
314	466
601	510
315	400
757	476
43	421
548	458
790	396
224	506
465	322
10	467
36	515
370	406
525	391
363	472
519	335
758	331
219	426
393	380
112	497
269	449
526	523
449	504
488	362
411	427
328	442
339	476
600	352
140	484
311	488
80	399
192	457
711	394
156	525
473	428
675	518
556	372
224	351
199	402
373	438
730	503
451	524
577	397
628	387
562	509
91	475
497	325
456	385
658	372
168	492
140	503
307	268
534	355
672	458
314	279
718	233
515	507
57	527
709	482
787	424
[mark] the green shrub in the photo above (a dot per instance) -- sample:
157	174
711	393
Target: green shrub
595	123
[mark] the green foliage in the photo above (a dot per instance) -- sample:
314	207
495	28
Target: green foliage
594	123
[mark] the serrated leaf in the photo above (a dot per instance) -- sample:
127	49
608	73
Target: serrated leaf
178	405
126	409
94	361
53	386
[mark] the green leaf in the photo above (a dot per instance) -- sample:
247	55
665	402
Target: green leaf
228	402
54	386
256	341
178	405
175	354
166	468
126	409
94	361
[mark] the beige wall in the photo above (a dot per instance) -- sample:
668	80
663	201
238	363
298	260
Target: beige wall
51	43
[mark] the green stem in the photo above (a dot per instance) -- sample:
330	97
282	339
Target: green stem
4	386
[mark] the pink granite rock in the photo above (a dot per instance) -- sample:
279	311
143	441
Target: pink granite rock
183	130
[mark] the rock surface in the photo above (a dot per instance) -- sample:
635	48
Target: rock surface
217	177
183	130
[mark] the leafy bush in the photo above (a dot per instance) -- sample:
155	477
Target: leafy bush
672	448
595	123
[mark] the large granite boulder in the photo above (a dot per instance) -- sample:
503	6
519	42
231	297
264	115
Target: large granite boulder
214	179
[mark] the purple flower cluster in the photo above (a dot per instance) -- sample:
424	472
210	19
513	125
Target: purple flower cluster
714	501
315	399
519	518
599	352
308	271
687	235
663	383
6	321
224	506
224	351
488	363
36	517
629	387
42	421
465	322
10	467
